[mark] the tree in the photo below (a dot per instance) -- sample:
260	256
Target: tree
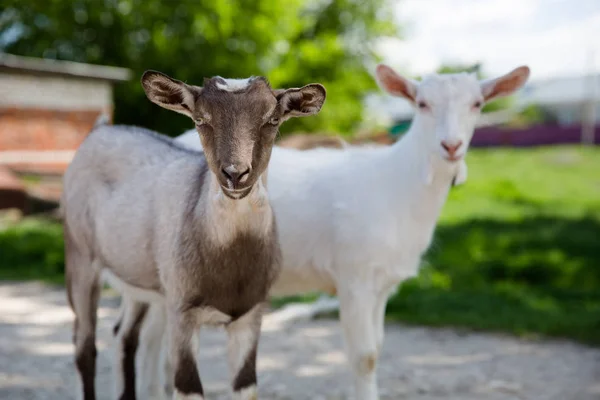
292	42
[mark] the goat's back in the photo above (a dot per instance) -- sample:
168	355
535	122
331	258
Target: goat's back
125	190
115	153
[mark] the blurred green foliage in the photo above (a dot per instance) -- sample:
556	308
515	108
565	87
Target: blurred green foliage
32	249
292	42
532	115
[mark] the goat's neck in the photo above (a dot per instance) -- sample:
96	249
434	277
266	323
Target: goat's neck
226	218
421	176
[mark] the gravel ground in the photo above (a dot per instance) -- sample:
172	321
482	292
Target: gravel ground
301	361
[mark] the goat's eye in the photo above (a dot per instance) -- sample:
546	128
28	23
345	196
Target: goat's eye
199	121
422	105
274	121
477	104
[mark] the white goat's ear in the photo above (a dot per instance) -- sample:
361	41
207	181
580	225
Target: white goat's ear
506	84
301	102
170	93
395	84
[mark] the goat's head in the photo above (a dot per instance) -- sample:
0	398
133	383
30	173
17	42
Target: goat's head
448	106
237	119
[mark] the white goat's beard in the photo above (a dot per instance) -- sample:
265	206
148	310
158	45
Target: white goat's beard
461	173
459	178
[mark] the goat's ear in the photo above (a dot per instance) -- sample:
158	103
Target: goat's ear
506	84
169	93
395	84
301	102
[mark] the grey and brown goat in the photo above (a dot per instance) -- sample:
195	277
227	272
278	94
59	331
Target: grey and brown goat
192	230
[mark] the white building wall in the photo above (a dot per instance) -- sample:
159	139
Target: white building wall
53	92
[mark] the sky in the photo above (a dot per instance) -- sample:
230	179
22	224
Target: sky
556	38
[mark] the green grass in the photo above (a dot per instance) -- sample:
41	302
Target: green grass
517	249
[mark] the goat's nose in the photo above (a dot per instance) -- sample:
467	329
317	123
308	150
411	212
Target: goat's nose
236	174
451	147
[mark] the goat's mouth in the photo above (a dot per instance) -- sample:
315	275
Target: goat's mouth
236	194
454	158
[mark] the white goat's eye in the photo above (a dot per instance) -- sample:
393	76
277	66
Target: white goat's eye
477	104
422	105
274	121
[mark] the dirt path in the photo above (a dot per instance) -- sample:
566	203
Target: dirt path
301	361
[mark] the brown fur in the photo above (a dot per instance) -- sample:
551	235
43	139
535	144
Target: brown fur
232	284
187	380
220	114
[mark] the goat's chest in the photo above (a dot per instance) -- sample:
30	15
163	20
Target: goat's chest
232	279
230	259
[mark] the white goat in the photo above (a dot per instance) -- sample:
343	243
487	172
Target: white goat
357	221
192	231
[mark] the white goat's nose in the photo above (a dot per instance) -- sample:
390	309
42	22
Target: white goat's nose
451	146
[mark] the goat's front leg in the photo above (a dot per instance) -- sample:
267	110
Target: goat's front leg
242	347
357	310
180	333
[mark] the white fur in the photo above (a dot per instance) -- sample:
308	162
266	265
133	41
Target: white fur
232	168
249	215
461	175
212	316
180	396
358	220
135	293
241	339
232	85
190	139
248	393
240	343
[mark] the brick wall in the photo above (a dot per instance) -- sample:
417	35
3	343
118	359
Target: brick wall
43	130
